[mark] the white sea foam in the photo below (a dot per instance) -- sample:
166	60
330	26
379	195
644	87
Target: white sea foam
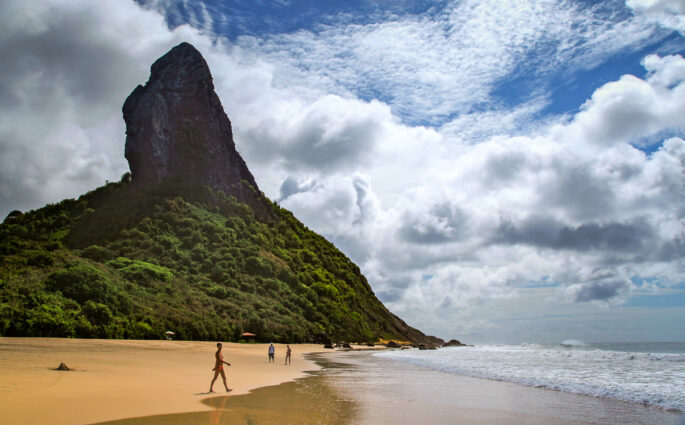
655	379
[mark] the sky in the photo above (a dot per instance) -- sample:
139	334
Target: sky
501	171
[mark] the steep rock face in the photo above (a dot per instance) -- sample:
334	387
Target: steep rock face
177	131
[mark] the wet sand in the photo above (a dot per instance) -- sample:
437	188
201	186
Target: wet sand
391	392
306	401
115	379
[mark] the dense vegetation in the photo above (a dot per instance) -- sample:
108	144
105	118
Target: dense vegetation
125	263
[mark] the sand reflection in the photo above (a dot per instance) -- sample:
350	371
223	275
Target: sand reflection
303	401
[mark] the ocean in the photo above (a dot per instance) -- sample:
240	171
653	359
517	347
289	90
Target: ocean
565	384
650	374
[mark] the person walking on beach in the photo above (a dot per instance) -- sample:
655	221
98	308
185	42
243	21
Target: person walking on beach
288	352
219	368
272	352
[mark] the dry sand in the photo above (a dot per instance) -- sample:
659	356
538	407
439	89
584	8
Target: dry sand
116	379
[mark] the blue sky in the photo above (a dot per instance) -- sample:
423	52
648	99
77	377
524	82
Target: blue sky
260	18
565	91
502	171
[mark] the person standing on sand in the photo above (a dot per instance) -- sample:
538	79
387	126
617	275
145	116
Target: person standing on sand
272	352
288	352
219	368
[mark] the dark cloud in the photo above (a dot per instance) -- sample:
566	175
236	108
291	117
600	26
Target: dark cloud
322	139
547	232
390	295
365	202
398	257
446	303
291	186
65	73
603	291
672	250
393	287
578	191
61	52
443	223
502	167
670	183
353	246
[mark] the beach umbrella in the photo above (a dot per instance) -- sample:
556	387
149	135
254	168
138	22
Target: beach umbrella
169	334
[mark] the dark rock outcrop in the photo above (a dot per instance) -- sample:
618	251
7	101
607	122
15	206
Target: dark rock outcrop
427	347
454	343
63	367
177	132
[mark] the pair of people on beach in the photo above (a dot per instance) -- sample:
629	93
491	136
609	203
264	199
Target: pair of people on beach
219	363
272	353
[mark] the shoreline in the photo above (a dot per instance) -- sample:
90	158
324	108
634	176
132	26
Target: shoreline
394	392
118	379
354	387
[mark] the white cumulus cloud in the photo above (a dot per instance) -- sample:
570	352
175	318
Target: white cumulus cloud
669	13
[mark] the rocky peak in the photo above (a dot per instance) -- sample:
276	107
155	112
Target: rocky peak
177	131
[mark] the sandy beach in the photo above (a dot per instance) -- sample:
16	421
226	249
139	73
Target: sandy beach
116	379
165	383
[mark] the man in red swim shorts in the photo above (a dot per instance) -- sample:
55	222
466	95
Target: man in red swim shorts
219	368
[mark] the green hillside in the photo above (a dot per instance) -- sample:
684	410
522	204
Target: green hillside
125	263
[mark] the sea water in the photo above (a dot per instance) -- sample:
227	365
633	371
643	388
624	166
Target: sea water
651	374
